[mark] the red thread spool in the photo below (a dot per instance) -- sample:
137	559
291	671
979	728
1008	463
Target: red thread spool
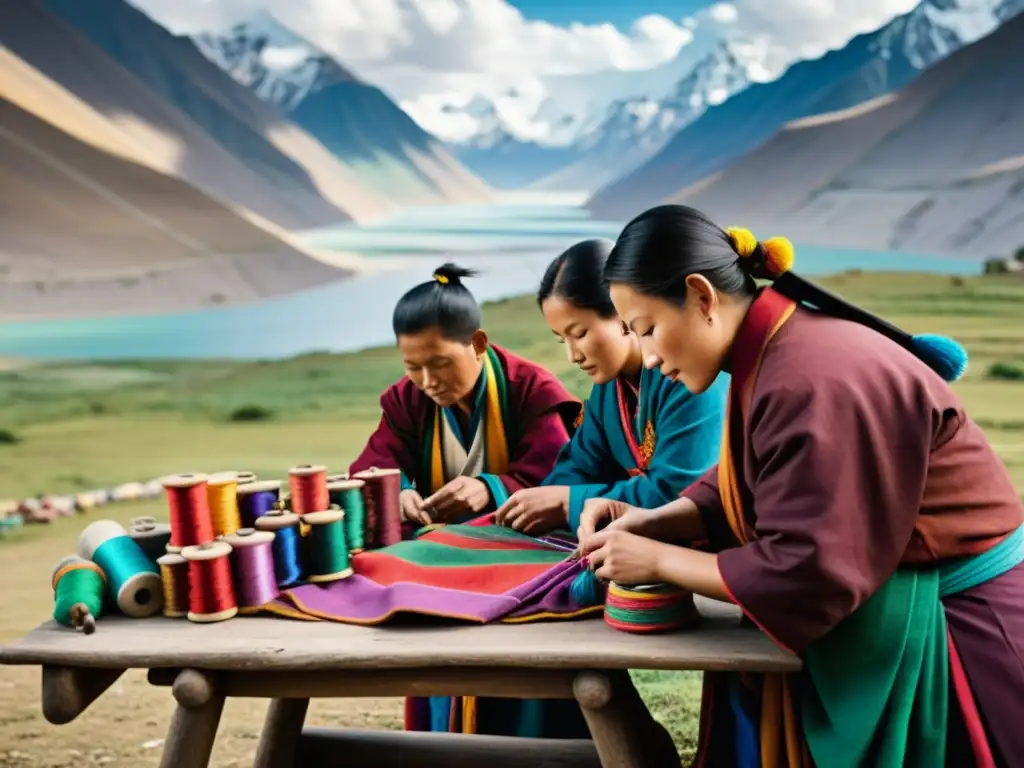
188	511
211	590
308	486
383	516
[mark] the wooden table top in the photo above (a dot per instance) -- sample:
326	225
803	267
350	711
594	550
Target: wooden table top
250	643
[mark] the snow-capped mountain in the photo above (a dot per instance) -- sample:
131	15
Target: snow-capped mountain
634	129
356	121
273	61
591	138
870	65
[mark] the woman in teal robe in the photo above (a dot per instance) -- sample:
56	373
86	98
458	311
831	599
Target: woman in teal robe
642	437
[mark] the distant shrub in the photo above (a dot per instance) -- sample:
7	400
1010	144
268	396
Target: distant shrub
1019	255
957	282
7	437
248	413
1006	371
995	267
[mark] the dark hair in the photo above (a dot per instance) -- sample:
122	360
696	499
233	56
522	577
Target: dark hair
577	276
661	247
443	303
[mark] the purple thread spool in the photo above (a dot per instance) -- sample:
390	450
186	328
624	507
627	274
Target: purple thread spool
256	499
252	563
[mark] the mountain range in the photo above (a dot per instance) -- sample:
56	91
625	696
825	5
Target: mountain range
356	121
870	65
139	176
937	167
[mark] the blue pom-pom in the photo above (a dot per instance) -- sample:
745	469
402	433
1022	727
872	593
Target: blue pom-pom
943	355
585	589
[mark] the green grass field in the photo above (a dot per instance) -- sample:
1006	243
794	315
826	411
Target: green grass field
74	427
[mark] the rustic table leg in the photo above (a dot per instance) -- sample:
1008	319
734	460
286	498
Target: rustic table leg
625	734
281	732
68	691
194	725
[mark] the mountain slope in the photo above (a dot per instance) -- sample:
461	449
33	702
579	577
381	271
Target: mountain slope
635	129
937	167
354	120
89	227
290	160
868	66
168	136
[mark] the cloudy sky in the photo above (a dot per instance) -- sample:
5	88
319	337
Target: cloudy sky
432	54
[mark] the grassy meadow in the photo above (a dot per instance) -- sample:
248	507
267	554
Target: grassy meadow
74	427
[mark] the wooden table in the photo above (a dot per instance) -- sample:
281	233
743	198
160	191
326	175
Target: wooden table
293	661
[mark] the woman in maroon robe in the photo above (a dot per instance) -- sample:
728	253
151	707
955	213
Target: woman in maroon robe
857	514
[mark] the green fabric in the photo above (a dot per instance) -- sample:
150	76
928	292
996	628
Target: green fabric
429	553
499	494
880	678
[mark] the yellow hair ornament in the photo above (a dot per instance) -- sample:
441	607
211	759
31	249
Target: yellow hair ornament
442	279
743	241
778	256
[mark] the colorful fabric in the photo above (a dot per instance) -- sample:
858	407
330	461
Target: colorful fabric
645	453
478	572
878	680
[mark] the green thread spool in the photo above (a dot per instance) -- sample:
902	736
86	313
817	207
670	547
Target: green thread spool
348	495
78	587
327	550
133	580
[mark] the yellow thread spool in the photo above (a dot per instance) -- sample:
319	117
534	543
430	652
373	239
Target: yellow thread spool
222	494
174	577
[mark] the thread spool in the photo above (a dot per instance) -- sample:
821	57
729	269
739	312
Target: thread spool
253	565
244	478
211	592
133	580
222	494
78	587
383	516
348	496
174	579
257	498
151	536
307	485
586	589
286	545
338	478
328	558
188	510
649	608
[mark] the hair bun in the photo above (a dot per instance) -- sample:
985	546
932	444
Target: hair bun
768	260
452	274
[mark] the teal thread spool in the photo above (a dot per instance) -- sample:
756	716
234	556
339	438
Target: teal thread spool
133	580
78	586
327	550
348	496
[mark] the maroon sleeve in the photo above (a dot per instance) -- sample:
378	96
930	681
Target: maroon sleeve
536	451
392	445
704	493
842	461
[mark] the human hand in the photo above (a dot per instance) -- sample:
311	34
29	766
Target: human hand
535	510
410	504
618	514
462	496
625	558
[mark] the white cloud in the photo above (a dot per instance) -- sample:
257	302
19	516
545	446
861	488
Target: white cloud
723	13
435	56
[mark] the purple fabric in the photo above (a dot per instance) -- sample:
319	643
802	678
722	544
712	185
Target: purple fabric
359	600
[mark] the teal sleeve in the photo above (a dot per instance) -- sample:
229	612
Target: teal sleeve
407	484
499	494
586	457
688	437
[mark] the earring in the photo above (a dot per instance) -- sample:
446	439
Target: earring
710	320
